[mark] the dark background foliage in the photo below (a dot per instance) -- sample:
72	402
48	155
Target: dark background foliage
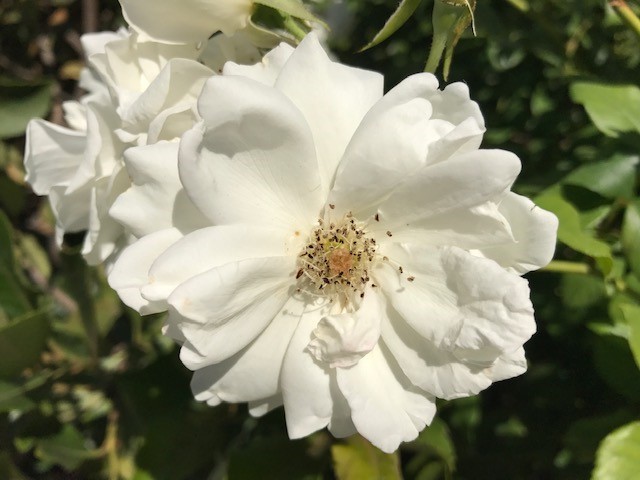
90	390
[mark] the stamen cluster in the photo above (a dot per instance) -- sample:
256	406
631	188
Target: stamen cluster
335	262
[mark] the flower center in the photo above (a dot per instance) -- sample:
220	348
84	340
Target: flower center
335	262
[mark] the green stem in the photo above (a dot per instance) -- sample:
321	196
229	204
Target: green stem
627	15
563	266
294	28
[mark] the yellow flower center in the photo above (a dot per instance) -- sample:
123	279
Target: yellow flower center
336	259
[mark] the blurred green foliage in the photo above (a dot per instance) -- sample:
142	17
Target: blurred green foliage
88	389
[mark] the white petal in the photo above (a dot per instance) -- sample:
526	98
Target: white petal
259	408
463	181
208	248
395	139
187	20
428	366
342	340
222	310
446	304
156	200
333	98
265	71
178	84
252	374
386	409
468	228
306	391
509	365
221	49
534	230
104	232
253	160
131	270
52	155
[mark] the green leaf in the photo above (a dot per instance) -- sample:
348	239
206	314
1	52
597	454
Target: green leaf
630	235
570	231
67	449
584	435
615	363
22	342
631	314
612	178
618	456
395	21
437	438
19	103
295	8
358	459
614	109
12	398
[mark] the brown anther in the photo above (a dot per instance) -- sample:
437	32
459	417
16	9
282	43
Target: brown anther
300	273
377	217
389	234
332	206
411	279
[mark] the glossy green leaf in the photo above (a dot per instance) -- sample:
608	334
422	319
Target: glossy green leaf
615	363
614	109
295	8
67	448
570	231
631	235
395	21
22	341
612	178
437	438
19	103
358	459
618	456
631	315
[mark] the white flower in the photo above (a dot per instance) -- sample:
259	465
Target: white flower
186	21
354	257
140	93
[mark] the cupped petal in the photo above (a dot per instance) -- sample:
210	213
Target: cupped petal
253	374
341	340
187	20
428	366
178	84
439	296
385	408
221	311
332	97
130	271
463	181
396	138
265	71
52	156
306	384
252	160
208	248
156	200
534	231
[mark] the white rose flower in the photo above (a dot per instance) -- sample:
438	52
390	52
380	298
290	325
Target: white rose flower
186	21
355	255
140	93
